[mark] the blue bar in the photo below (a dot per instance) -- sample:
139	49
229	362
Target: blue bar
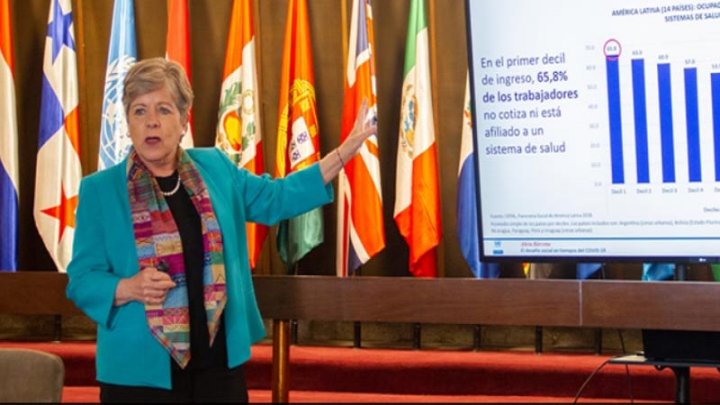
615	116
693	124
715	85
666	123
641	132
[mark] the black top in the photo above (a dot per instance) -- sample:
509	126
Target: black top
189	226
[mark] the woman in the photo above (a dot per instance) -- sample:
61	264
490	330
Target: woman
160	260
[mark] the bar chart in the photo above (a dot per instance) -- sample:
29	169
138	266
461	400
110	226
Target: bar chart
676	91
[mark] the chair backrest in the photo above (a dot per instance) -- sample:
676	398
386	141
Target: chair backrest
30	376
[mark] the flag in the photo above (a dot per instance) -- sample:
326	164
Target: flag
177	48
417	202
586	270
537	271
122	53
9	179
58	169
658	271
298	140
360	227
715	268
238	130
467	222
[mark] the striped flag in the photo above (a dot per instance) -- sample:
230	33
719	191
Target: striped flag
298	140
360	227
9	179
122	53
587	270
467	222
417	202
658	271
238	130
177	48
536	271
58	169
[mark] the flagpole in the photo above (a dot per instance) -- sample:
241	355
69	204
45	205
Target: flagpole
266	251
357	325
344	29
432	31
79	23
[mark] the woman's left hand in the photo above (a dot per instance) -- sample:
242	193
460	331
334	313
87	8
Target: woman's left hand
365	126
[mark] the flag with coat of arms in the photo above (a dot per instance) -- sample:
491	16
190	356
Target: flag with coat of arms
238	132
417	199
58	169
298	136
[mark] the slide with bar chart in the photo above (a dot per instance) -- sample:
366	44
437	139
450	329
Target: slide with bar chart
597	128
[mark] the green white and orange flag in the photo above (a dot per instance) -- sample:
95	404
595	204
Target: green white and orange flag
238	131
417	201
177	48
298	139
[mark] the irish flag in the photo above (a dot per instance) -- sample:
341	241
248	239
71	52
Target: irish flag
238	131
417	202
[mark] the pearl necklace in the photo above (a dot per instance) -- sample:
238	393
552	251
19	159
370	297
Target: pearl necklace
173	191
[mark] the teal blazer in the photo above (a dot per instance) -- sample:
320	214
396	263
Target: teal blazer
104	252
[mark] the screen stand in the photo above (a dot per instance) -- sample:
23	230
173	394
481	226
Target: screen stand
680	272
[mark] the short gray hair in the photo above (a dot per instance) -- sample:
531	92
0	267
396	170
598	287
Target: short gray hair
153	74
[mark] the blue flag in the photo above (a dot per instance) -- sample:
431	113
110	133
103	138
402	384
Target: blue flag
586	270
467	223
658	271
122	54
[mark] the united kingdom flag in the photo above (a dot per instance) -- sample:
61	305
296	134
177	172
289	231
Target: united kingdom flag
58	169
361	231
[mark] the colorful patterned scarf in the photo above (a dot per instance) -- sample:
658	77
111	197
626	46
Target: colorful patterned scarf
158	245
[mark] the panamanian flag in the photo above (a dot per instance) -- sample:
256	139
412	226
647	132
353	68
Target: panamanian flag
8	147
58	169
467	221
122	53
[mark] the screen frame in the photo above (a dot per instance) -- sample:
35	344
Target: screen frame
587	258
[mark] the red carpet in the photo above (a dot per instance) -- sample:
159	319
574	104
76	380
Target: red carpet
335	374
